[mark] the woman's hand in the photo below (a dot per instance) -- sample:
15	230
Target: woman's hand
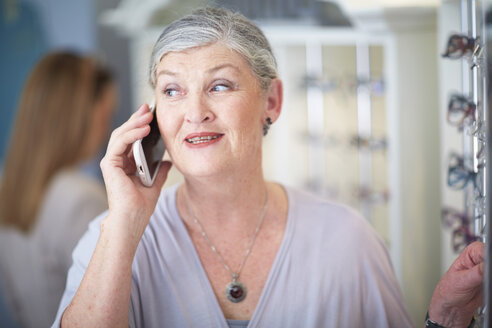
460	291
105	289
130	202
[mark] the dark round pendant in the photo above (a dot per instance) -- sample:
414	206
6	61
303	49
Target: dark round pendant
235	292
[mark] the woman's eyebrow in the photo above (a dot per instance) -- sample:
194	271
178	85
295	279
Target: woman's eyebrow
222	66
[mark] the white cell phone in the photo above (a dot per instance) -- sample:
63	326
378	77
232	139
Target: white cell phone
148	152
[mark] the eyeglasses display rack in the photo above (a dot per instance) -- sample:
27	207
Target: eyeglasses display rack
469	112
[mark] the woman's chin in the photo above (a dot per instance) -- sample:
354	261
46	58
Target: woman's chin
208	170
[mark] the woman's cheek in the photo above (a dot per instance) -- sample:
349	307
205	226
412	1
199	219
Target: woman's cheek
163	129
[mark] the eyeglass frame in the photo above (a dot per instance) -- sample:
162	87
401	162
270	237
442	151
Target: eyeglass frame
467	106
462	230
471	46
462	174
457	216
466	234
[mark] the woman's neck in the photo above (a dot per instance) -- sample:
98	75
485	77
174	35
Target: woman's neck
236	201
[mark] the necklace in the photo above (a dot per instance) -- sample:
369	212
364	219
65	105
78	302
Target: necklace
235	291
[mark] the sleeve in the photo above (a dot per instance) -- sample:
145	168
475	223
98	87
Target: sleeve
81	257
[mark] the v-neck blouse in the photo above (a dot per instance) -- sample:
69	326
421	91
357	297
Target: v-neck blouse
331	270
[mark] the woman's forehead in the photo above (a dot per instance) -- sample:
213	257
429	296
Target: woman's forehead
203	58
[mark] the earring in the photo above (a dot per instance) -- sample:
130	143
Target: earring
266	126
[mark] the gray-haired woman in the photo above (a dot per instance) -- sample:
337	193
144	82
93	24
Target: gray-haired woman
225	248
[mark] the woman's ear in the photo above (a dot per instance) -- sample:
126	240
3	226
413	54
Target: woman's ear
275	97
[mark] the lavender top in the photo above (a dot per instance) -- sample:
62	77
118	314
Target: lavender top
331	270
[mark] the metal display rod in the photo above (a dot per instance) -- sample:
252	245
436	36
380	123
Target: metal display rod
476	146
477	135
472	167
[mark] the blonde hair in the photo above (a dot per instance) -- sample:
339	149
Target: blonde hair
53	120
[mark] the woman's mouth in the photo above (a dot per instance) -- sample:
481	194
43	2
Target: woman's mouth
203	138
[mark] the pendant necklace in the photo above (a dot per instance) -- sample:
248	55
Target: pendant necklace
235	291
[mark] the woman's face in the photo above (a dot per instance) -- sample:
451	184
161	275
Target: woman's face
210	110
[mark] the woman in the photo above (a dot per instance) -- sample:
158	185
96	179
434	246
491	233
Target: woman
225	248
46	200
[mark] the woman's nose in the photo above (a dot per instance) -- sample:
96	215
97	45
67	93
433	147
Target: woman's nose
198	111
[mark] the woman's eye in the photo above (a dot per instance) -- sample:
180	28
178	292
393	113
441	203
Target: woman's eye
220	87
171	92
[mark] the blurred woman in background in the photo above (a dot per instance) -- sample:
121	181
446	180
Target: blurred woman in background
46	200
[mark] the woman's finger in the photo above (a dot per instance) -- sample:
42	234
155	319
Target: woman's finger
477	252
120	145
472	255
141	109
132	123
141	117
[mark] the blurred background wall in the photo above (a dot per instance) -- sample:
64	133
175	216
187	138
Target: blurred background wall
30	28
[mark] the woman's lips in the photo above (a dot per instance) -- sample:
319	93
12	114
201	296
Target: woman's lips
202	138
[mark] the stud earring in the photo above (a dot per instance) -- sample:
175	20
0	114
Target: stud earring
266	126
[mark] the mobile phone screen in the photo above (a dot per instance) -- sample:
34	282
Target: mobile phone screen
153	146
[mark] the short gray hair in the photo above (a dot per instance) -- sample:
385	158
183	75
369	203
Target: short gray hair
210	25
